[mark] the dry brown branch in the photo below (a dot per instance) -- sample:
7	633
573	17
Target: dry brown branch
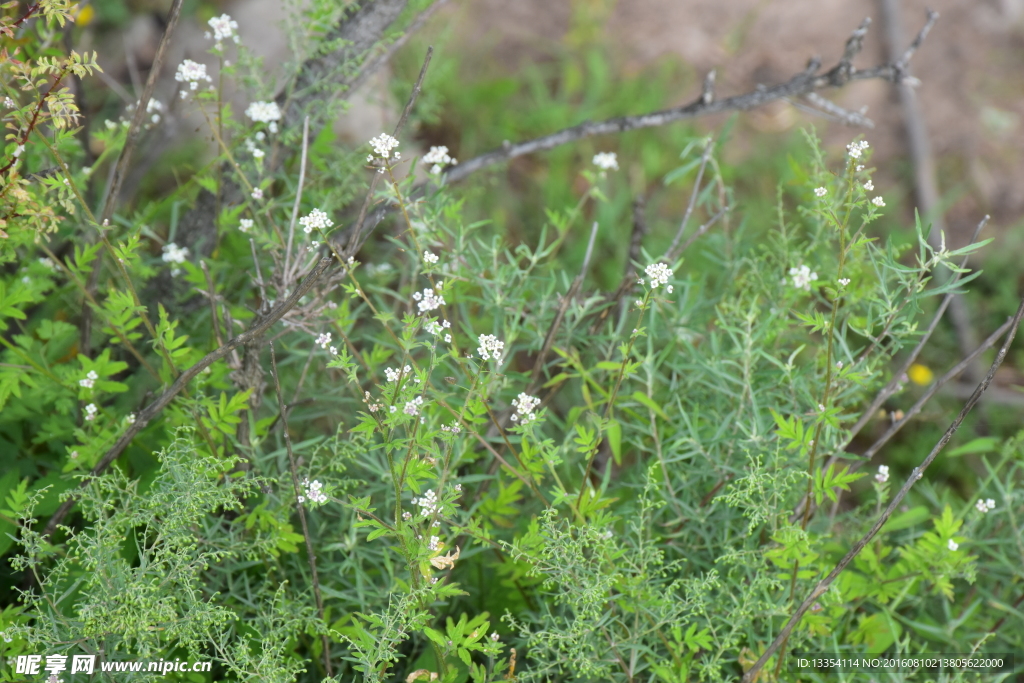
915	475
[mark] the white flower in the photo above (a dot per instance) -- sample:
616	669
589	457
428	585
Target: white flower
447	339
245	224
606	161
324	340
878	201
130	418
952	545
257	193
839	365
980	505
429	257
383	144
407	515
820	192
434	328
223	27
883	474
802	277
659	274
438	156
428	300
333	350
314	492
413	407
869	186
856	148
525	405
494	636
844	281
427	502
316	219
394	409
264	112
393	375
434	543
490	346
90	412
990	504
192	73
174	254
89	380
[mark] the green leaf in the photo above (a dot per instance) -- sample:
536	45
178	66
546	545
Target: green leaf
984	444
641	397
614	434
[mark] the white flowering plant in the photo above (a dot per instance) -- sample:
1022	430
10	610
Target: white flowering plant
315	417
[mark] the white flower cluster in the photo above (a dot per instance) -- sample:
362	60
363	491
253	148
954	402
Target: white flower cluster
89	380
223	28
490	346
174	254
48	263
525	405
435	328
192	73
413	407
427	502
606	161
857	148
393	375
244	224
844	281
984	506
869	185
429	257
255	151
435	543
438	156
803	277
382	146
316	219
155	108
90	412
130	418
659	274
265	112
324	340
455	428
952	545
257	193
428	300
883	474
820	192
314	492
878	201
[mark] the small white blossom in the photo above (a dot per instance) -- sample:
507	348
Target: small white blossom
857	148
413	407
245	224
333	350
174	254
494	636
316	220
90	412
490	346
429	257
407	515
427	502
952	545
428	300
525	405
324	340
393	409
192	73
820	192
869	186
434	328
606	161
839	365
130	418
89	380
383	144
802	277
223	28
257	193
438	156
314	492
264	112
844	281
883	474
659	274
878	201
393	375
447	339
435	543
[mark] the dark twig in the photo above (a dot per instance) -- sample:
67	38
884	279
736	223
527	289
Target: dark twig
570	295
416	89
302	511
917	473
145	416
799	85
212	296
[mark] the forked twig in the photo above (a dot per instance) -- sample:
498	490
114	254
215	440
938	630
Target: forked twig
917	473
